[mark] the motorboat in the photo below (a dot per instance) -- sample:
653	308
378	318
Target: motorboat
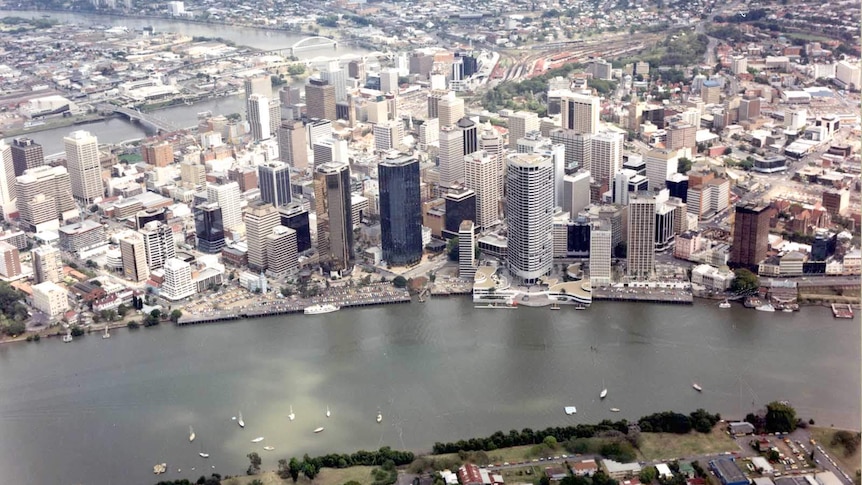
787	310
615	410
204	455
291	416
318	430
603	394
191	434
766	307
570	410
724	304
328	414
320	309
257	440
68	337
379	417
269	448
239	421
160	468
697	387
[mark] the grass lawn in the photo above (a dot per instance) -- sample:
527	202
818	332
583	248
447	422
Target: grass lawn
520	475
511	455
824	438
659	446
327	476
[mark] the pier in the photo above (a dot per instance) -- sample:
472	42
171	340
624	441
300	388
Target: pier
668	297
842	310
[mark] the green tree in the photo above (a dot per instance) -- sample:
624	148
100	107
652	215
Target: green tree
452	249
399	281
744	282
14	328
647	475
294	468
683	165
550	442
296	69
254	463
77	331
176	315
780	418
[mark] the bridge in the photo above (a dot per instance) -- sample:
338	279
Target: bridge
304	44
153	122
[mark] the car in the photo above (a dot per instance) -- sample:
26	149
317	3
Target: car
506	463
813	442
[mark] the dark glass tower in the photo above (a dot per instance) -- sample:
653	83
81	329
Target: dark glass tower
400	211
334	216
274	181
460	206
295	217
209	228
26	154
471	135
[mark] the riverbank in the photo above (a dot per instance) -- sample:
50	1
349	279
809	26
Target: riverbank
56	123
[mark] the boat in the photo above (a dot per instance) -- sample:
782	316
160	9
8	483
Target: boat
697	387
291	416
319	309
160	468
191	434
570	410
204	455
68	336
379	417
318	430
603	394
107	335
269	448
240	421
766	307
615	410
724	304
787	310
257	440
328	414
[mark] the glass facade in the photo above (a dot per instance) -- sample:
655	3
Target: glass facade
400	211
209	228
460	206
274	180
296	218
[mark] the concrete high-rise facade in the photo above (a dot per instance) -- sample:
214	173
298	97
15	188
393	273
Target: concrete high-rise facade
601	253
281	256
8	197
520	123
47	264
82	162
335	75
641	236
606	156
660	164
529	215
159	244
10	260
400	211
334	216
481	175
451	155
750	235
178	282
492	144
467	250
680	135
320	99
389	80
580	113
450	109
134	258
227	196
578	148
258	117
44	194
26	154
576	192
260	85
387	135
158	154
274	182
260	219
329	150
429	133
293	144
469	135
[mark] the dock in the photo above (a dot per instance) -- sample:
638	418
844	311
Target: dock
668	298
842	310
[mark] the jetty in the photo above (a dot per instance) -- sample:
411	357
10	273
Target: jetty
842	310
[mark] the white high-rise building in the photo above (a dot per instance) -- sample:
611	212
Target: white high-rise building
260	219
227	196
337	78
521	123
281	255
82	162
8	196
450	109
429	133
601	252
490	141
576	192
660	164
258	117
480	175
529	215
47	264
329	150
451	155
178	282
849	73
389	80
134	257
466	250
44	195
387	135
580	113
641	236
606	155
159	244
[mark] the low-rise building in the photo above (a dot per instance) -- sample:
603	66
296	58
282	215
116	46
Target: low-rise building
712	278
50	298
585	468
728	472
621	471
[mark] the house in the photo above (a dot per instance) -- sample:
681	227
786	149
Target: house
728	472
686	470
740	428
663	470
621	471
555	474
449	477
585	468
469	474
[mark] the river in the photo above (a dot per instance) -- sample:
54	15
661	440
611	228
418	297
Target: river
104	411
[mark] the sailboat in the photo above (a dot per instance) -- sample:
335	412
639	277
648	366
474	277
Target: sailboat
318	430
291	416
239	421
379	417
328	414
697	387
191	434
107	335
257	440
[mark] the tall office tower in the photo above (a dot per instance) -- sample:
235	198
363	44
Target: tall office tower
295	216
481	176
521	122
581	113
335	76
578	148
749	108
227	196
677	184
450	109
317	130
320	99
209	228
44	194
434	97
606	156
82	161
680	135
274	116
641	236
469	135
389	80
529	215
711	92
292	144
134	257
750	235
387	135
601	252
665	221
492	144
159	244
334	216
356	70
460	206
26	154
400	211
261	85
466	250
8	191
47	264
178	282
576	192
258	117
660	165
429	133
274	182
260	218
282	258
158	154
627	181
451	155
328	150
635	116
193	173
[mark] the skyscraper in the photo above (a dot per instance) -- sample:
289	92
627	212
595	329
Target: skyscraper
159	244
460	206
209	228
576	192
134	257
274	181
529	214
451	155
491	142
450	109
26	154
47	264
44	194
292	144
82	161
329	150
606	156
227	196
750	235
469	135
258	117
8	190
387	135
320	99
601	251
295	216
578	148
480	175
334	75
520	123
334	216
467	250
389	80
281	255
261	85
581	113
660	164
260	218
178	282
641	237
400	211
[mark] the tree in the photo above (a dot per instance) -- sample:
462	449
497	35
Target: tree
683	165
122	310
77	331
550	442
296	69
647	475
399	281
452	249
254	463
780	418
14	328
294	468
176	315
744	282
